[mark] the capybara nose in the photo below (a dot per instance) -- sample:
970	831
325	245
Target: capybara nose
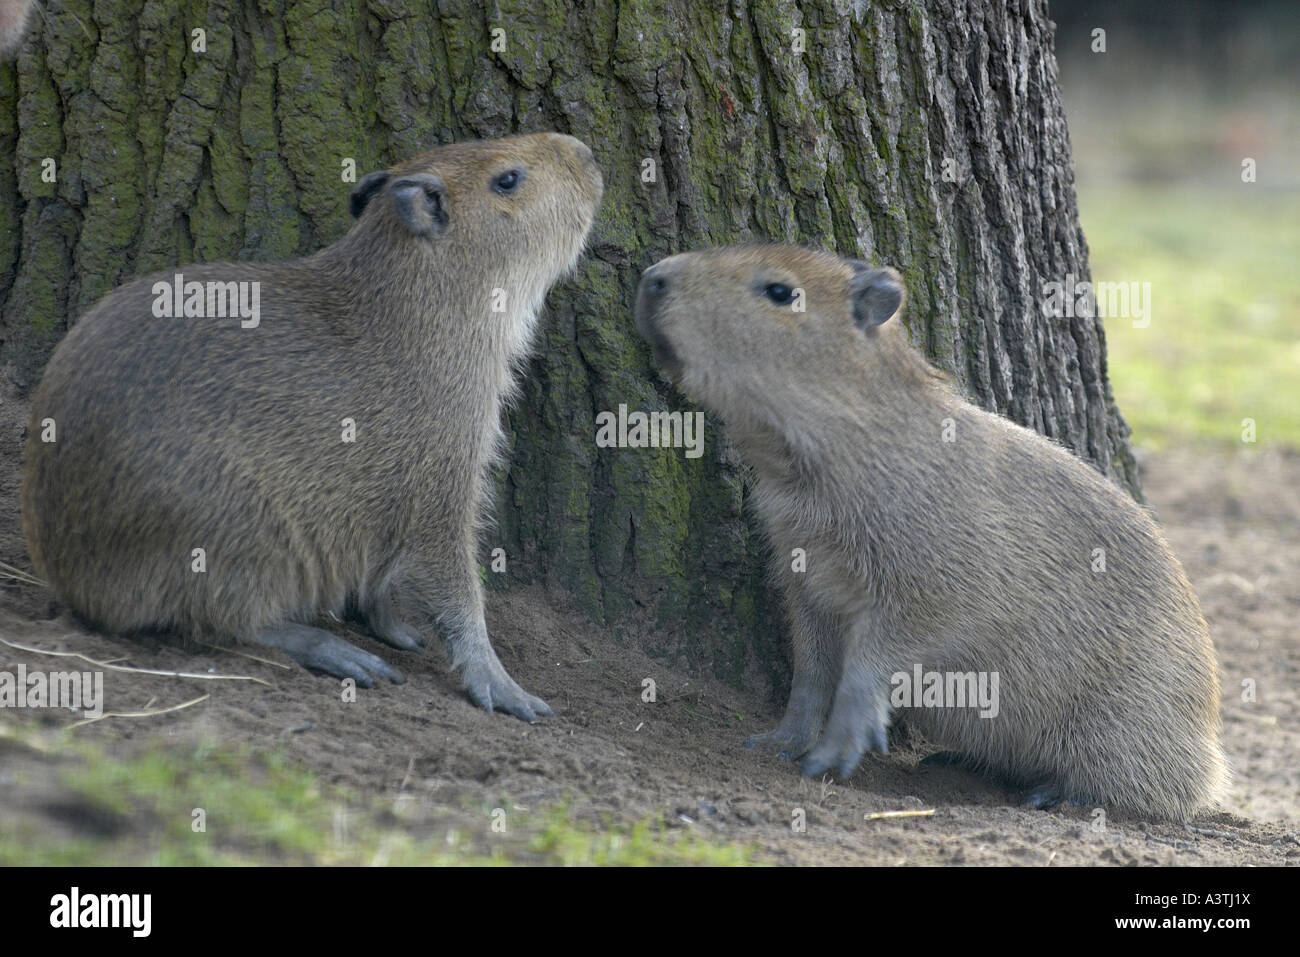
580	148
649	296
574	151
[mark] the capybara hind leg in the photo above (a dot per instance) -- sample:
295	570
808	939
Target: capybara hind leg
379	618
1047	796
319	651
1044	797
817	640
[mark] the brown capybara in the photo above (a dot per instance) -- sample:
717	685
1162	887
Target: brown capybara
939	538
319	429
14	16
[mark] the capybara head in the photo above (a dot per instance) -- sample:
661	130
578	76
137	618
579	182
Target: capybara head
494	205
746	324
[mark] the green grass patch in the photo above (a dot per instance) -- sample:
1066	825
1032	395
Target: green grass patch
641	845
1223	344
72	803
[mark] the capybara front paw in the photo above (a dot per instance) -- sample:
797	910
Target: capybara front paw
834	757
492	689
790	740
840	753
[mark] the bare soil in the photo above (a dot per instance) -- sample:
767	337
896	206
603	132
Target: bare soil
1234	520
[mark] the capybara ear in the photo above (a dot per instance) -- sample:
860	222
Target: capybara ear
420	200
361	194
877	295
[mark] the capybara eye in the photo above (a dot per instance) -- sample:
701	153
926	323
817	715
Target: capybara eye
779	293
508	182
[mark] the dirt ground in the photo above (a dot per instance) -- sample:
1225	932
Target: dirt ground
1235	522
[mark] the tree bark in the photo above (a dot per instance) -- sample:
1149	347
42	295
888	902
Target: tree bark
166	156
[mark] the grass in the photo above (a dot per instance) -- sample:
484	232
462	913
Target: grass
644	843
260	808
1223	344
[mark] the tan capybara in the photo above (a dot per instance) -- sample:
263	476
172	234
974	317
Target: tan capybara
14	17
226	455
939	538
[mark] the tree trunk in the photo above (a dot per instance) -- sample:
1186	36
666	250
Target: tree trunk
822	122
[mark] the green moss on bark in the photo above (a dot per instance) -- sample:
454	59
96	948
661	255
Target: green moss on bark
710	127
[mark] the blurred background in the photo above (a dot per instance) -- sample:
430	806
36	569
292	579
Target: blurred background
1161	123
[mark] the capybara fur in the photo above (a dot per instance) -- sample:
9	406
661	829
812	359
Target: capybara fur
942	536
14	16
329	450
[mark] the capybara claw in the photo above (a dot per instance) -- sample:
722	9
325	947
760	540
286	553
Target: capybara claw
493	690
402	637
878	740
789	744
814	766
